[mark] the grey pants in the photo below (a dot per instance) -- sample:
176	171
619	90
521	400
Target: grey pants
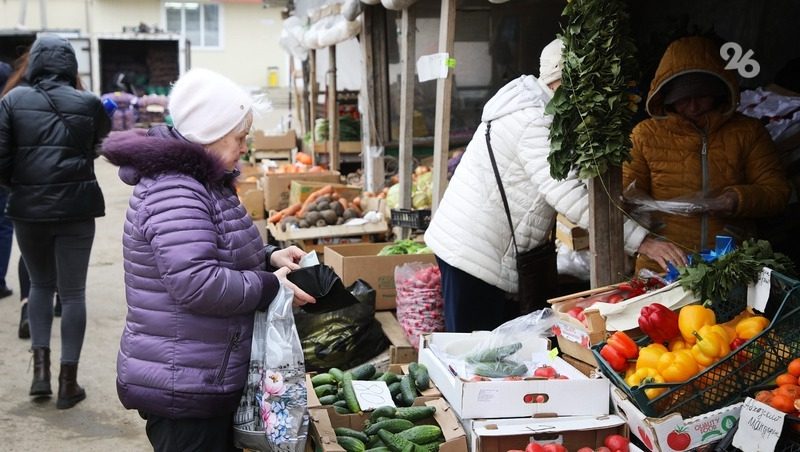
57	257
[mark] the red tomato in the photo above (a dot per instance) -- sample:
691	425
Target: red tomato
615	298
554	448
602	449
545	372
616	443
577	312
585	449
533	447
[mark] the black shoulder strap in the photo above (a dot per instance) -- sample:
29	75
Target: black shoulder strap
500	183
60	115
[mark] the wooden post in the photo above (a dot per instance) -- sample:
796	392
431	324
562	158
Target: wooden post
606	229
333	111
441	139
372	162
312	102
406	146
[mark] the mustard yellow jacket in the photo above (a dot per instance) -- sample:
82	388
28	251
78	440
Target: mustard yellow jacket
672	158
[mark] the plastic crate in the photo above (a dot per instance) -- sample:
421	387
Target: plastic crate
408	218
727	381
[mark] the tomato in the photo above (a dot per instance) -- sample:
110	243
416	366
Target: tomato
616	443
585	449
615	298
545	372
794	367
533	447
553	448
602	449
577	312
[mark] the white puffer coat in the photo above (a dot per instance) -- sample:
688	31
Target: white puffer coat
469	230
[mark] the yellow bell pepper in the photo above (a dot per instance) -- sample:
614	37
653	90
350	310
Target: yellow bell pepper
677	343
721	330
710	346
677	366
648	356
751	326
646	375
693	317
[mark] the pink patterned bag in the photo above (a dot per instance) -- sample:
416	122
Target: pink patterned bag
420	306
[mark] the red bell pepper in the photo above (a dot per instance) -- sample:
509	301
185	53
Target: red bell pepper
618	350
659	322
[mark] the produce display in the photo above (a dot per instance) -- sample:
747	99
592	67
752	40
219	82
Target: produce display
323	207
611	443
786	395
404	247
620	292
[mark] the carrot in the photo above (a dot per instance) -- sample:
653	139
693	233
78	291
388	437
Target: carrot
326	190
287	212
343	202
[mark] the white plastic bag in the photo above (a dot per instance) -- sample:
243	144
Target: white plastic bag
272	412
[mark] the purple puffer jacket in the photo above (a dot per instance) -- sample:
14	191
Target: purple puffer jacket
195	273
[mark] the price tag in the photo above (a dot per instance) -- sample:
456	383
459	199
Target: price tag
372	394
432	67
760	427
758	293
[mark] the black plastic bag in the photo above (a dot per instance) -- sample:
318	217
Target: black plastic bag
322	283
343	337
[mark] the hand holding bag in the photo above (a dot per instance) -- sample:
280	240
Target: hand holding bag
537	270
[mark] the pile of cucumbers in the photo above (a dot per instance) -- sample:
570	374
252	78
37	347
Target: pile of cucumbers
495	362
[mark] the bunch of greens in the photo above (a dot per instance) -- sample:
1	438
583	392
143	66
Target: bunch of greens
714	281
404	247
593	109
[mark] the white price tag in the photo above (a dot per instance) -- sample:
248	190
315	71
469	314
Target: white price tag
431	67
760	427
372	394
758	293
309	260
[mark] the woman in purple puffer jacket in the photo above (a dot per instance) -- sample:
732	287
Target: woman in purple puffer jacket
196	269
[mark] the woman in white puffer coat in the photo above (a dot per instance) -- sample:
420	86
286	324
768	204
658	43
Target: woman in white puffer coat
469	233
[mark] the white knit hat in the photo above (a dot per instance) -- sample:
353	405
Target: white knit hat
205	105
551	61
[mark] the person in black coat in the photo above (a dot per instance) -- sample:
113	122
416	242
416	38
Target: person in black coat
50	129
6	228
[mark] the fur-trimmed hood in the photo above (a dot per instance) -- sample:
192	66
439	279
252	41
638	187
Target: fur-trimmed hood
159	150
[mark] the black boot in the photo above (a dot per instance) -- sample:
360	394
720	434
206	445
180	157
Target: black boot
69	392
41	372
24	330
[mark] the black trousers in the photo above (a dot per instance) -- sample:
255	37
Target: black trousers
185	435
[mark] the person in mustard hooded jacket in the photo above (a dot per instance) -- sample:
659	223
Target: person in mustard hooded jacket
696	146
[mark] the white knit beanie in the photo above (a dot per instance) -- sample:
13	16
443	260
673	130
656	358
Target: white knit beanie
551	62
205	105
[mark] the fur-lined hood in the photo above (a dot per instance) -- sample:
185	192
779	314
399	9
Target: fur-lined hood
148	153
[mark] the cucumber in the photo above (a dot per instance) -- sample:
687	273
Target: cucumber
341	409
363	372
421	378
500	369
322	379
361	436
408	390
328	399
494	354
337	374
422	434
350	444
394	443
323	390
382	411
375	441
379	449
391	425
412	369
394	388
340	402
430	447
349	394
389	377
377	375
415	413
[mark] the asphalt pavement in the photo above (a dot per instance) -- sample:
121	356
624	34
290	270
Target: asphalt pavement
99	423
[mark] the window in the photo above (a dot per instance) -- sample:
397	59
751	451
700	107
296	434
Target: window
199	22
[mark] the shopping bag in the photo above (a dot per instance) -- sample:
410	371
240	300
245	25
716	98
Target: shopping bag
420	306
272	413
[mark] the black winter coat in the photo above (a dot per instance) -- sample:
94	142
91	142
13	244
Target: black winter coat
48	165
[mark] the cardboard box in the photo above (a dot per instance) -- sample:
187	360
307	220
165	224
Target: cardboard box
574	396
575	338
361	260
572	236
300	189
323	422
277	186
401	351
573	432
286	141
672	432
253	202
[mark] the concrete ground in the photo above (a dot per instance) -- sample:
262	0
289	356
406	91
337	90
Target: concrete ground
99	423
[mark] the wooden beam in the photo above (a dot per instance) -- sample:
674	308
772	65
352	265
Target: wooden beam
333	111
441	143
312	102
372	162
408	42
383	125
606	240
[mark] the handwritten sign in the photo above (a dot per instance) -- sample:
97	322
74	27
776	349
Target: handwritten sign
760	427
758	293
372	394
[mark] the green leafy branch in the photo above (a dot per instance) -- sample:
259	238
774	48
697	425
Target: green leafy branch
593	109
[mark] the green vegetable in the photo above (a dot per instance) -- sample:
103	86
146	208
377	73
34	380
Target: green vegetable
422	380
350	444
328	399
389	377
394	388
363	372
494	354
422	434
338	375
344	431
323	390
383	411
323	379
390	425
402	247
349	393
500	369
415	413
395	443
408	390
379	449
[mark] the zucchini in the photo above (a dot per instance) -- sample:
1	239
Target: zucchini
323	390
361	436
415	413
382	411
350	444
408	390
421	378
395	443
349	394
322	379
391	425
494	354
422	434
328	399
363	372
337	374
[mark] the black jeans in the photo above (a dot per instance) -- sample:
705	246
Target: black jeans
186	435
